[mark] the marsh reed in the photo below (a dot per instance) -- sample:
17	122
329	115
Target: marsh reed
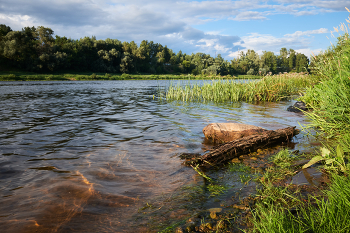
269	88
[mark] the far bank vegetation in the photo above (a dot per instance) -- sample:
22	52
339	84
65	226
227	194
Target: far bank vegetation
36	49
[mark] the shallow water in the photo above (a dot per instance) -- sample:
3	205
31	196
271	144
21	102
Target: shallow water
84	156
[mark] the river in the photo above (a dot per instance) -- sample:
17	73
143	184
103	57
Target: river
84	156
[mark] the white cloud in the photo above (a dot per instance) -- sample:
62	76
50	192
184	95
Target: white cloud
309	52
307	33
165	21
298	40
248	15
16	21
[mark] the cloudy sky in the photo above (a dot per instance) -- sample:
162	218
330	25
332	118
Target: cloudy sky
212	27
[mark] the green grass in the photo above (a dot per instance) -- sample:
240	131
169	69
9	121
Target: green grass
216	189
283	158
330	214
238	167
87	76
329	100
269	88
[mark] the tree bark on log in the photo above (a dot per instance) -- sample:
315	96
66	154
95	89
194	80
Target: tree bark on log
241	146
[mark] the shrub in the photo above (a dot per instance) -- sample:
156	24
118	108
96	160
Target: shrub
93	76
251	72
125	76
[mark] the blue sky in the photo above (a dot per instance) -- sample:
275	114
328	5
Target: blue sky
212	27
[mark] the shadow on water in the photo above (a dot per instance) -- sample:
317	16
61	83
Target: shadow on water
87	156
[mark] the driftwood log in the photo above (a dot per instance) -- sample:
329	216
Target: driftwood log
241	146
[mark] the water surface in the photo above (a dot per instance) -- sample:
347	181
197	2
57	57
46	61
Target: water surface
84	156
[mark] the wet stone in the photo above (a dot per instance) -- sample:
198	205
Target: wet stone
179	230
240	207
235	160
216	210
309	176
300	162
243	157
213	215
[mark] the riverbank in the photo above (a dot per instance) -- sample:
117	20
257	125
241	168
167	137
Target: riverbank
329	99
85	76
280	203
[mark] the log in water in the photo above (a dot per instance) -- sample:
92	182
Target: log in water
244	145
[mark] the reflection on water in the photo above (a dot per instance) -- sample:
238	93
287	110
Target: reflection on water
84	156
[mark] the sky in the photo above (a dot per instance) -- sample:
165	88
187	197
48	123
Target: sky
211	27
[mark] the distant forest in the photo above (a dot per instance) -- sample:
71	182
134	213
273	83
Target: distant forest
35	49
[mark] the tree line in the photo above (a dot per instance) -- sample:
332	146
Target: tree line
36	49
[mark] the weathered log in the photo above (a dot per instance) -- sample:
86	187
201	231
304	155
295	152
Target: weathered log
241	146
227	132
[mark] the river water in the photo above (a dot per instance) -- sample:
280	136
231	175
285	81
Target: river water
84	156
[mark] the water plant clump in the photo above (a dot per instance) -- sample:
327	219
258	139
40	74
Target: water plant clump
283	158
238	167
269	88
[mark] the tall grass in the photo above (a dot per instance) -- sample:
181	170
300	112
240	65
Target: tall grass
329	100
269	88
326	215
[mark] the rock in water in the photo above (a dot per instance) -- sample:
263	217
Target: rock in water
226	132
297	107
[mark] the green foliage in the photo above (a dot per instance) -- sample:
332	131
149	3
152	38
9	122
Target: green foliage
251	72
125	76
93	76
35	49
283	158
274	88
216	189
330	102
334	163
245	178
238	167
326	215
202	174
10	77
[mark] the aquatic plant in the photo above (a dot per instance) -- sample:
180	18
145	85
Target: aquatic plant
202	174
238	167
269	88
283	158
216	189
333	163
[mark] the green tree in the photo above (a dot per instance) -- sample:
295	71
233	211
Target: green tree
283	64
269	60
4	30
302	63
126	64
291	59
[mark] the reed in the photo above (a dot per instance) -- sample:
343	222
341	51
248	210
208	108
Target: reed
267	89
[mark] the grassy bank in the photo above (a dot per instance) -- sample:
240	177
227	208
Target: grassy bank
269	88
84	76
329	99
